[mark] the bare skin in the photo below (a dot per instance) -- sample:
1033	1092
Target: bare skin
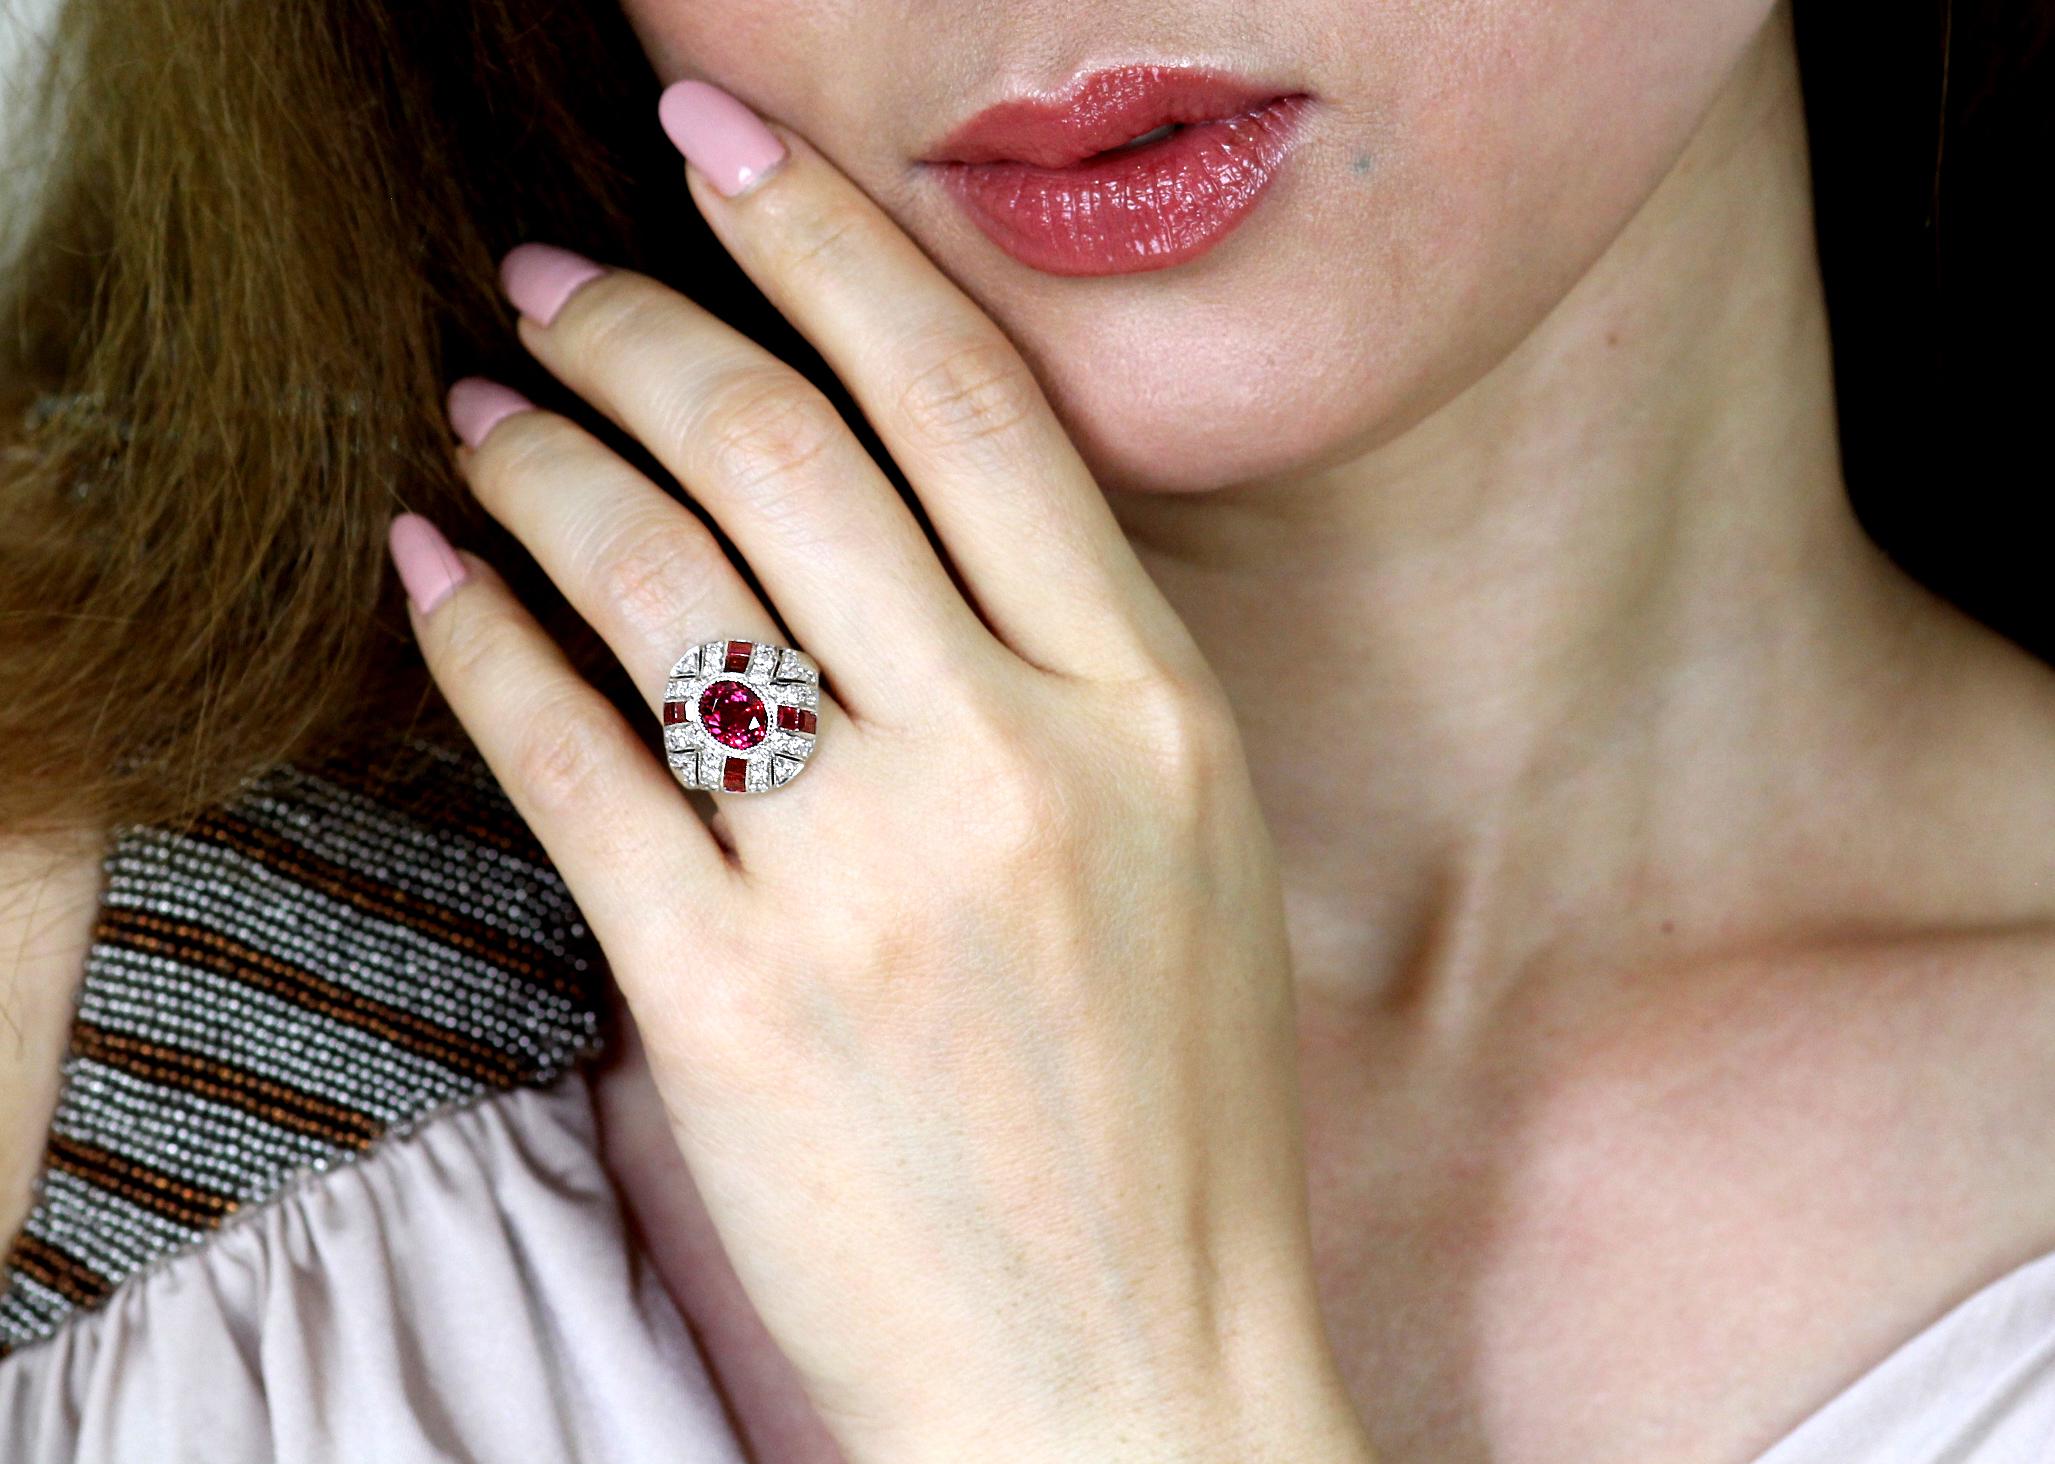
1673	911
49	893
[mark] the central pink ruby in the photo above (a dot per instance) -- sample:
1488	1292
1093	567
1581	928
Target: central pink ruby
734	715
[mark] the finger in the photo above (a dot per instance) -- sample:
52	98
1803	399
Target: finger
837	550
640	569
612	819
948	394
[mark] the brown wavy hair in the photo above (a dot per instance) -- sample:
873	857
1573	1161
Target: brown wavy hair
264	237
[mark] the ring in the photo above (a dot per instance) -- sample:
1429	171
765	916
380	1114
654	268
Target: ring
739	715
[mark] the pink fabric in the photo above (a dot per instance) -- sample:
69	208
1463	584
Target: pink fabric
468	1295
1976	1386
465	1295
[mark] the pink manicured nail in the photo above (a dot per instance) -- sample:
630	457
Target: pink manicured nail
539	278
477	405
718	135
428	567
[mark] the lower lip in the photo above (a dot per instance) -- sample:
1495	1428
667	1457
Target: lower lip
1125	212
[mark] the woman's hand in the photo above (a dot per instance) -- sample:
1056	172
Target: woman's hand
979	1039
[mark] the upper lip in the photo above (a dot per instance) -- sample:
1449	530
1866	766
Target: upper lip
1100	110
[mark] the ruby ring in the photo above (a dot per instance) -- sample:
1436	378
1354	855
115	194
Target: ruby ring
739	715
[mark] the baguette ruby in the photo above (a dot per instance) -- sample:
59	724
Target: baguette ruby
738	656
674	712
733	774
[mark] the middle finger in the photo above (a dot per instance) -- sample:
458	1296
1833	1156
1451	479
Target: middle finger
838	552
637	567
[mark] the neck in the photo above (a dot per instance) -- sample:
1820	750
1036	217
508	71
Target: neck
1582	637
49	896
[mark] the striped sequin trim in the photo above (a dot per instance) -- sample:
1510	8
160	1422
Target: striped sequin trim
344	951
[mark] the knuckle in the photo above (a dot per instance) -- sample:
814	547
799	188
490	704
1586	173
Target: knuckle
1019	807
564	753
530	449
738	1018
655	575
976	387
818	238
1023	820
472	638
611	316
1185	731
765	427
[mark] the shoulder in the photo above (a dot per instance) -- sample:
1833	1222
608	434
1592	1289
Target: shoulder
1962	824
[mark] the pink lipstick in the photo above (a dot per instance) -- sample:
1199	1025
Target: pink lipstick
1134	168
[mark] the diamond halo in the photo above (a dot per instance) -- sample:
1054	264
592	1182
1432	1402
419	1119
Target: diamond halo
740	716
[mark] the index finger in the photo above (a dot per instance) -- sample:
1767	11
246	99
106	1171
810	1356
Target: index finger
950	397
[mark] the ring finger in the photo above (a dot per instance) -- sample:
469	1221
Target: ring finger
639	568
764	449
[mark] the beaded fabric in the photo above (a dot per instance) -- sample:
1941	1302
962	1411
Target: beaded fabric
339	954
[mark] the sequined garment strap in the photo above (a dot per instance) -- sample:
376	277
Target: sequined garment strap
271	990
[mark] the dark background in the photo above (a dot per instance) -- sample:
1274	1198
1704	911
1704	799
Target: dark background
1933	139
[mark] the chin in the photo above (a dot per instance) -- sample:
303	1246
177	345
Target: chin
1317	331
1163	431
1238	369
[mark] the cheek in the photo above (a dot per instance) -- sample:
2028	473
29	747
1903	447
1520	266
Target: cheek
775	52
